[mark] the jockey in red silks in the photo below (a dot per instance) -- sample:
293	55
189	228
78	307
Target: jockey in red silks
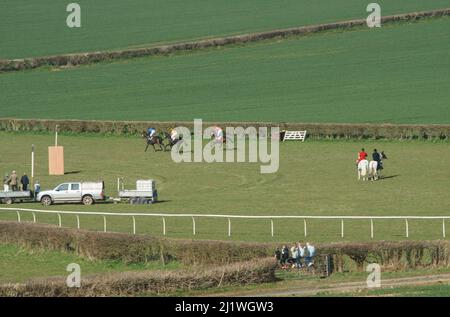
361	156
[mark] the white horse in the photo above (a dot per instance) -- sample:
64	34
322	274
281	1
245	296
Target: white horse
373	170
363	169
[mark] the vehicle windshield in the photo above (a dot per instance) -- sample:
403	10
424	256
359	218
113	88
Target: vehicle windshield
62	187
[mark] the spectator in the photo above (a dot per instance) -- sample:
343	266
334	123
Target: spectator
13	181
284	256
309	260
25	181
278	255
6	183
37	188
294	255
300	254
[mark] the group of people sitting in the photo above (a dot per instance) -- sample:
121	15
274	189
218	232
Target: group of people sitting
298	256
12	182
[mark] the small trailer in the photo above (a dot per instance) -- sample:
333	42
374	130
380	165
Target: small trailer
10	197
145	192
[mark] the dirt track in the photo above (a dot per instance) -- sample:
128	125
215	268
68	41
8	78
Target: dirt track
355	286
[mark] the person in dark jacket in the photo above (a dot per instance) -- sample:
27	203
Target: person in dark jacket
377	158
25	181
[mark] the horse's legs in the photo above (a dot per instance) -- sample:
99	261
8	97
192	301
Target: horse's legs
146	148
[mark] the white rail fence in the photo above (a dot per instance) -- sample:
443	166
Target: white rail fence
163	217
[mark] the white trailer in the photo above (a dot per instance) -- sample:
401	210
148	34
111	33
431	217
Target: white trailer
145	192
10	197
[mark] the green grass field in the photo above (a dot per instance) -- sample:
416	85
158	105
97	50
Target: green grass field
398	74
417	182
31	30
18	264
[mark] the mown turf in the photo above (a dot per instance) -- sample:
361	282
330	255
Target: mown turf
34	29
314	178
18	264
399	74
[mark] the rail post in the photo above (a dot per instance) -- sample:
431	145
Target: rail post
18	215
342	228
271	227
134	225
229	227
78	222
407	227
164	225
443	228
304	227
104	223
59	220
371	228
193	226
34	217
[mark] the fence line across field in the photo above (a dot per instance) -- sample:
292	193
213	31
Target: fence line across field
163	216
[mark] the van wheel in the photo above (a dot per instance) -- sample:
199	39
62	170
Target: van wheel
88	200
46	200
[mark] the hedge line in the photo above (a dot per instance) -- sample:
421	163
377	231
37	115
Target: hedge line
315	130
139	248
153	282
95	57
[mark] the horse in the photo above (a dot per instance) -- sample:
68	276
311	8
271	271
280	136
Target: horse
363	169
373	170
168	143
153	140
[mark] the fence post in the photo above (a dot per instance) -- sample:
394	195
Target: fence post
164	225
342	228
59	220
134	225
229	227
271	226
104	223
78	222
371	228
407	227
34	217
443	228
193	226
304	226
18	215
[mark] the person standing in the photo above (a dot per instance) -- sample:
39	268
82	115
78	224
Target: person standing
37	188
13	181
25	181
6	183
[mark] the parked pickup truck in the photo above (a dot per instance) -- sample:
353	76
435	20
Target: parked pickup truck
81	192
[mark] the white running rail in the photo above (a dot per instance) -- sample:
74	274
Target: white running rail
133	216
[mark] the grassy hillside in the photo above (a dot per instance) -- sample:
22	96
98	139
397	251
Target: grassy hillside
417	184
398	74
29	29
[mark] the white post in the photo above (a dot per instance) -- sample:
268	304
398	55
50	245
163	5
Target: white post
104	224
32	164
164	225
193	226
342	228
371	228
78	222
443	228
34	217
18	215
407	227
118	185
134	225
59	220
229	227
271	226
56	135
304	226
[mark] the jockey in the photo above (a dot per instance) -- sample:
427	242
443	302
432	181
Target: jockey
361	156
218	134
151	132
173	135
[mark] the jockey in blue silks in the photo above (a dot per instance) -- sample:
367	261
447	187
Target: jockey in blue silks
151	132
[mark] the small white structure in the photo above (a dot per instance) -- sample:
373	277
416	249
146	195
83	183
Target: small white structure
145	192
294	135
